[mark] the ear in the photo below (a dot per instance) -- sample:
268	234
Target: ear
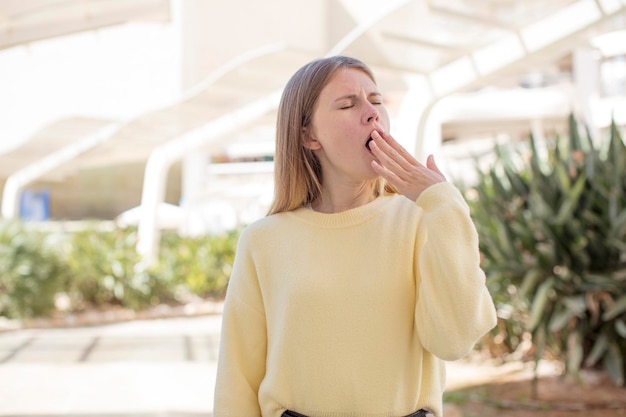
308	141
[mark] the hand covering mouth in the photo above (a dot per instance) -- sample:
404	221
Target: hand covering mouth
367	143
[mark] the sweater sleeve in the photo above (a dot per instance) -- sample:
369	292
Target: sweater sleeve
243	345
453	308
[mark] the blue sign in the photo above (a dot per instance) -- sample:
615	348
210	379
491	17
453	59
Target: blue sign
34	205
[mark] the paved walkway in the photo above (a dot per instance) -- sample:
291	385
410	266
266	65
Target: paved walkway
141	368
163	367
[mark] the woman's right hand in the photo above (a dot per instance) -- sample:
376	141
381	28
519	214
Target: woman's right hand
401	169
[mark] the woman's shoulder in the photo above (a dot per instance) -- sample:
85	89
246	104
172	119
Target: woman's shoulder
263	226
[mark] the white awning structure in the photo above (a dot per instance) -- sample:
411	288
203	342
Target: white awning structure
236	56
26	21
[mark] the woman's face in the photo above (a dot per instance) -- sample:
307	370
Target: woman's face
347	111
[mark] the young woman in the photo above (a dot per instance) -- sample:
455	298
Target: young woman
346	299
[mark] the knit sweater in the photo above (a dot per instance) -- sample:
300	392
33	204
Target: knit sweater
352	314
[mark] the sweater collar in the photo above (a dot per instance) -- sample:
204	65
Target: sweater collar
346	218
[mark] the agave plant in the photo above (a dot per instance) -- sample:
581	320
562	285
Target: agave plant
552	224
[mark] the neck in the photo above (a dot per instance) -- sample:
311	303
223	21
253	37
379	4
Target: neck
342	198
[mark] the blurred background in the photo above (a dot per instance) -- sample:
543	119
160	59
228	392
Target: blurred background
137	139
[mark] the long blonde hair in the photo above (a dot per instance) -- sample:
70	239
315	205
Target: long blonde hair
297	171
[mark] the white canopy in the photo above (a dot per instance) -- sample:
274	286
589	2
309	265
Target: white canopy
236	56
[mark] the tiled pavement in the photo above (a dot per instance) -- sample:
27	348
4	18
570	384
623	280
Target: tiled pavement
142	368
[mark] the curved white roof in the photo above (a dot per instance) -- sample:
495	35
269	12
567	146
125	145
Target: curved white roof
451	45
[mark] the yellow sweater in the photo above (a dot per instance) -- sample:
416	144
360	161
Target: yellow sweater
352	314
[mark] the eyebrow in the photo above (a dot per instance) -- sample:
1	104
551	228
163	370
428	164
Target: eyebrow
354	96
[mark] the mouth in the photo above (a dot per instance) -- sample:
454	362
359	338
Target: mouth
367	143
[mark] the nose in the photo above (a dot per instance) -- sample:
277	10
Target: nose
371	114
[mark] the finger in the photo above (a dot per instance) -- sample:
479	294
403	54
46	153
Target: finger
386	158
399	149
385	173
391	157
430	164
401	186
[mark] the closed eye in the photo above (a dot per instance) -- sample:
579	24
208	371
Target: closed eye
376	98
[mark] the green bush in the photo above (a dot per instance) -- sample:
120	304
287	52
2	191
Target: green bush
106	270
553	238
31	272
97	268
201	265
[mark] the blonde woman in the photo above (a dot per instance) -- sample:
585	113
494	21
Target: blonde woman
346	299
